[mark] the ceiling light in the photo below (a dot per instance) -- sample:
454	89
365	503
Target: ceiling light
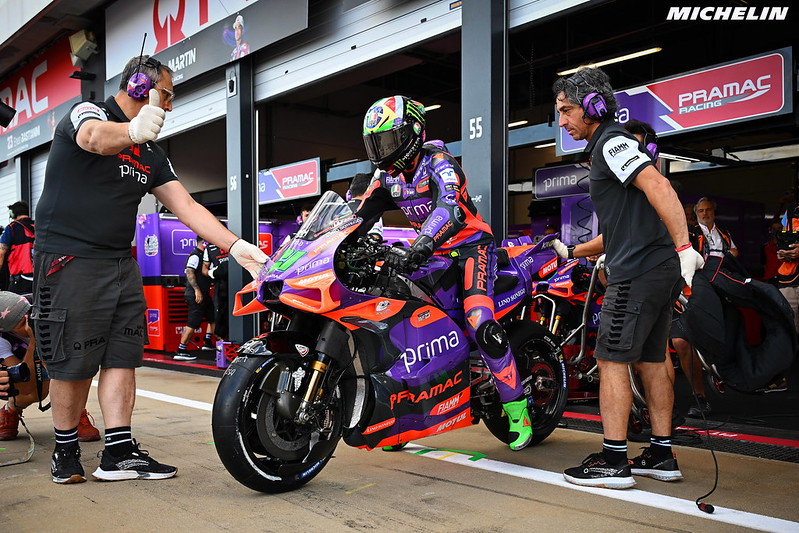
547	145
432	107
611	61
517	123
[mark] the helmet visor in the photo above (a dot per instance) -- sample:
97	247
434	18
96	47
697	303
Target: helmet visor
386	144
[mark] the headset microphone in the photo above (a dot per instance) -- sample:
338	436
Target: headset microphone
139	84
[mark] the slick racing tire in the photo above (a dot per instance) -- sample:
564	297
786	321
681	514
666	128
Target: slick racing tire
261	449
542	371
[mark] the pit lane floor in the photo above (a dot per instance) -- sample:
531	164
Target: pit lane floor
461	481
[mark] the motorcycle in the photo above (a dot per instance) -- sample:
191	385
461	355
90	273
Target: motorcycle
369	356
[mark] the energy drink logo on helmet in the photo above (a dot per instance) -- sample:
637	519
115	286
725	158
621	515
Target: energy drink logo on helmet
393	133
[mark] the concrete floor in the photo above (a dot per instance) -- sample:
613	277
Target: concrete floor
413	490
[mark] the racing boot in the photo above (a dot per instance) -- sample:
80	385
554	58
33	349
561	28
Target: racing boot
521	431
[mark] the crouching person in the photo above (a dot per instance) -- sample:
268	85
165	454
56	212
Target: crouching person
17	345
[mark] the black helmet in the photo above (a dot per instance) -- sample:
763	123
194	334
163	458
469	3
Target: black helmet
393	132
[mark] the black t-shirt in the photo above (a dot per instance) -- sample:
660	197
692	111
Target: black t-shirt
219	259
89	202
195	262
635	238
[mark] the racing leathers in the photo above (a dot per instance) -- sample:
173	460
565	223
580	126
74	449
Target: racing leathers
439	208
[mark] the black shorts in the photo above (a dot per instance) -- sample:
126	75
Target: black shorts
199	311
88	314
636	315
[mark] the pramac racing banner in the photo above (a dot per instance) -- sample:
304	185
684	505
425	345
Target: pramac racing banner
42	92
746	89
289	182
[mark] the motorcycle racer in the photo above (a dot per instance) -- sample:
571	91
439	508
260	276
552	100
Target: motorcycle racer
428	185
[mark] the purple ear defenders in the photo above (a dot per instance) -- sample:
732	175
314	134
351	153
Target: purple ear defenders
650	139
139	84
593	103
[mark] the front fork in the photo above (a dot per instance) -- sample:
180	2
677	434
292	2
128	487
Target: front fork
313	391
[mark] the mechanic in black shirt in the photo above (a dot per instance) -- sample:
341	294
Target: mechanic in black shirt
89	307
642	224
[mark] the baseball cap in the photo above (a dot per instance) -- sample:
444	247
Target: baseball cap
239	21
12	308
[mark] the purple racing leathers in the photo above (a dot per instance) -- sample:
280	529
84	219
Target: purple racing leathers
439	208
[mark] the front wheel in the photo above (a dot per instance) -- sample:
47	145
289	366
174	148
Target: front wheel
542	371
260	448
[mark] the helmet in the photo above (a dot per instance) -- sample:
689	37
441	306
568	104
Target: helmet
393	132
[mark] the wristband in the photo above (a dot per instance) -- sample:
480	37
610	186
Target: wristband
683	247
570	252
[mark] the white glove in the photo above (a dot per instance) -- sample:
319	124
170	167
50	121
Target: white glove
211	269
248	256
147	124
561	249
690	262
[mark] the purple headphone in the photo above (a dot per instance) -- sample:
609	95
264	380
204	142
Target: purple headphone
650	141
139	84
593	103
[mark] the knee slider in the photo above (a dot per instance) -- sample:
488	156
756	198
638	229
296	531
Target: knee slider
492	339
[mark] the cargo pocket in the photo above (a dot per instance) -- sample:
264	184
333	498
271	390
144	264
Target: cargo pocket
48	328
619	319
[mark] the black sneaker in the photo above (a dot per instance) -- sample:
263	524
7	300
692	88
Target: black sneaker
596	472
184	356
700	408
135	465
66	467
209	347
646	465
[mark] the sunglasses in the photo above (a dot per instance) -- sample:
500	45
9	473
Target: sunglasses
170	95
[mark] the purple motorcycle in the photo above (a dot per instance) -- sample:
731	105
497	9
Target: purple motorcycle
371	356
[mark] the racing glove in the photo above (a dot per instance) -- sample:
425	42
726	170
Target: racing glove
148	123
406	259
690	262
248	256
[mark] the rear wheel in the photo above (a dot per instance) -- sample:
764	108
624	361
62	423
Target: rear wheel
261	449
543	373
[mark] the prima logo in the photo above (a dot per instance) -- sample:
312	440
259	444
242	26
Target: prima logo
727	13
428	350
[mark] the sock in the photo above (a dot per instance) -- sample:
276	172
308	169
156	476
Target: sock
660	447
118	441
207	337
614	451
182	347
65	437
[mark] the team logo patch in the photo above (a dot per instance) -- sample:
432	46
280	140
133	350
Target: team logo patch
373	117
449	175
396	190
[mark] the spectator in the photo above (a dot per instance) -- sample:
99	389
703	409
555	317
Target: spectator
17	346
88	288
305	210
17	243
198	300
644	278
712	239
690	214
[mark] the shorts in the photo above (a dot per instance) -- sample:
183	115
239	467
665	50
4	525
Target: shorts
636	316
199	311
87	314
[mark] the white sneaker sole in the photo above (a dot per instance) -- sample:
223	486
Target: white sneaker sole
122	475
184	358
602	482
660	475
